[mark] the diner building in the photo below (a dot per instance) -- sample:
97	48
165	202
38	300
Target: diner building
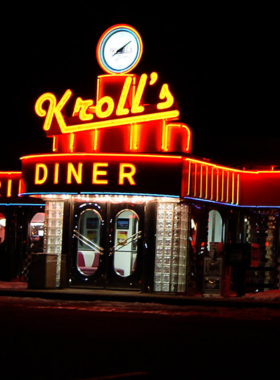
121	202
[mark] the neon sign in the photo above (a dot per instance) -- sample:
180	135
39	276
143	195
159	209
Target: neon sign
74	173
105	113
120	106
90	173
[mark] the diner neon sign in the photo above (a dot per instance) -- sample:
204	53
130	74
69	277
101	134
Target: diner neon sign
120	105
74	173
100	115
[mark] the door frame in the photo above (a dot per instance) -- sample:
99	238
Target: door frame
105	276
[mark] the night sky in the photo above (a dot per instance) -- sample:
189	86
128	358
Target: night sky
221	64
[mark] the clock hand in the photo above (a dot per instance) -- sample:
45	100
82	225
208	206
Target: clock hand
120	50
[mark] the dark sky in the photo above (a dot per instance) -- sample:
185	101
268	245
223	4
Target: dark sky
221	64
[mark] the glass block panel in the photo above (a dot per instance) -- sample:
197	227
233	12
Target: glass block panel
167	251
157	287
173	287
169	215
171	246
165	287
158	268
166	269
166	277
158	277
161	215
159	259
174	278
160	223
168	224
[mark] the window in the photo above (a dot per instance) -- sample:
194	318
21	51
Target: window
2	227
126	236
215	228
88	242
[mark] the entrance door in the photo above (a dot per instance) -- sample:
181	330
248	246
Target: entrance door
108	245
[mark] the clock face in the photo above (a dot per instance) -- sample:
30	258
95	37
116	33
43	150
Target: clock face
119	49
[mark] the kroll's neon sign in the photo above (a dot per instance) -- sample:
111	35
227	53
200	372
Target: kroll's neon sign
107	112
120	105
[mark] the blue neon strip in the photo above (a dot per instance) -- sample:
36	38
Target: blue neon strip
22	204
229	204
132	194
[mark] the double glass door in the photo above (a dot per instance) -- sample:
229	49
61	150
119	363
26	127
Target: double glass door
108	242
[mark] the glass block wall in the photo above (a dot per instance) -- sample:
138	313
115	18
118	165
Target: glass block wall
53	230
171	247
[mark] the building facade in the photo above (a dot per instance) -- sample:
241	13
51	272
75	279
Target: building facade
127	206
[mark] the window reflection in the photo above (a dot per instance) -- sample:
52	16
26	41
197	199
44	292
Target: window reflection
88	242
215	230
125	246
37	232
2	227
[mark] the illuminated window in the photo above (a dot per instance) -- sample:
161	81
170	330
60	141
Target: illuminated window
215	228
2	227
88	242
126	237
37	232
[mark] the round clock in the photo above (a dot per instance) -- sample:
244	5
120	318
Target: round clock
119	49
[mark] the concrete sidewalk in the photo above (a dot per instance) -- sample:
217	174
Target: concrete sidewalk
269	298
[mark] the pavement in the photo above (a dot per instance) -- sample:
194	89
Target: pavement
270	298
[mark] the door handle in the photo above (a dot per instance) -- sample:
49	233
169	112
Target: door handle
87	242
132	238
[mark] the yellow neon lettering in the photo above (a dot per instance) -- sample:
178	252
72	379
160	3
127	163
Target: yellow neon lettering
126	87
136	107
56	172
54	109
9	188
165	94
110	107
81	108
41	174
71	171
96	172
154	77
128	175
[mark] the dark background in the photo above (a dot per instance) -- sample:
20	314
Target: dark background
221	64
